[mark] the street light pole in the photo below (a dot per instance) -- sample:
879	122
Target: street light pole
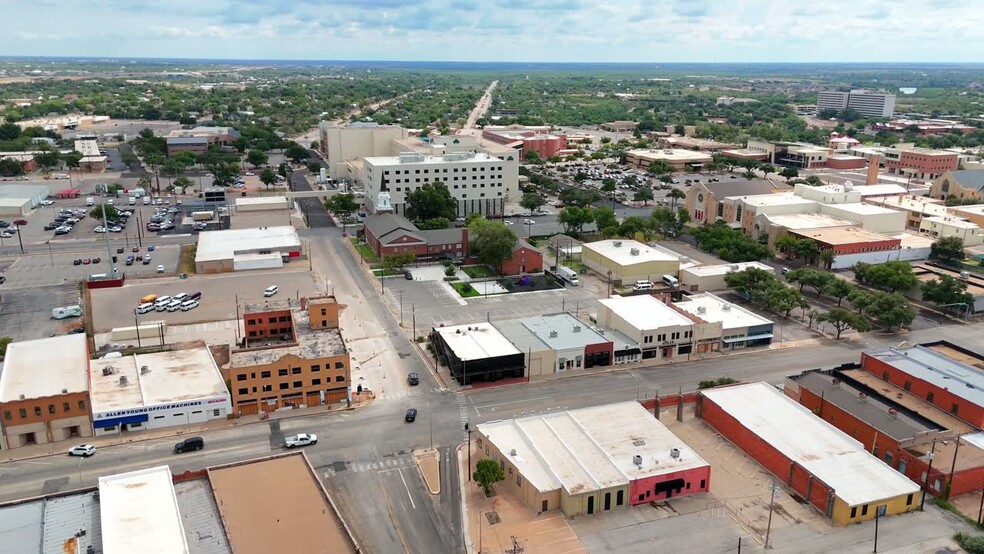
929	471
772	502
468	429
430	422
401	308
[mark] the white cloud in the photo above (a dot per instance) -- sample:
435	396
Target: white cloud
502	30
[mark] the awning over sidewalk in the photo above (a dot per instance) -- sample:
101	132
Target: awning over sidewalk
748	338
126	420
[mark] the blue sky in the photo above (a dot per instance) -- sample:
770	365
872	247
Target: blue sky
501	30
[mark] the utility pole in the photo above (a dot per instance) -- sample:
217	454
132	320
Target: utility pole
929	471
468	429
413	317
401	308
772	503
953	467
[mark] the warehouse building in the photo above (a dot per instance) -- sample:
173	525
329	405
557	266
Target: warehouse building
626	261
944	374
20	199
161	389
243	249
44	391
711	277
739	327
477	352
660	329
818	462
592	459
556	343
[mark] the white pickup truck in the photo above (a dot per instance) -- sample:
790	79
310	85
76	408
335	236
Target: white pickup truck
300	439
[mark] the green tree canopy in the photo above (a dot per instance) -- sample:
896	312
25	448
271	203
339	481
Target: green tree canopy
947	291
729	244
342	205
949	248
296	153
605	221
532	201
644	195
492	242
839	289
488	473
574	218
891	310
434	223
430	201
268	177
891	276
842	320
256	158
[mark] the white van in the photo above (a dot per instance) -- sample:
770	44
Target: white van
90	201
145	308
642	285
270	291
671	281
189	305
161	303
146	200
173	305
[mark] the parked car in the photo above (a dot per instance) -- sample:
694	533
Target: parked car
189	305
194	296
173	305
146	259
84	450
129	260
160	268
119	249
190	444
270	291
182	296
77	261
411	415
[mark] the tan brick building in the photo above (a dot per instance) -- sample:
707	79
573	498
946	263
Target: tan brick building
290	357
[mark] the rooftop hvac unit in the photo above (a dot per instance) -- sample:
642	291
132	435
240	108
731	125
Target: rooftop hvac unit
553	334
64	391
123	380
893	413
617	243
862	397
512	452
107	370
144	370
726	307
634	251
836	382
577	328
20	396
675	453
965	275
637	460
702	309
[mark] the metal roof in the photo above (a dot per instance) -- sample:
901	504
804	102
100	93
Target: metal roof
958	378
200	518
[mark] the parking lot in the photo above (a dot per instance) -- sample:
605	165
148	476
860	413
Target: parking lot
26	313
114	307
58	267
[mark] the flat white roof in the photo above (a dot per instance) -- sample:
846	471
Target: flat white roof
838	460
620	251
477	341
731	316
724	269
44	367
670	154
224	245
261	201
88	148
775	199
976	209
590	448
864	209
806	221
952	222
171	377
645	312
139	513
449	158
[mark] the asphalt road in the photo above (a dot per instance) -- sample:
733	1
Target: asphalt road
314	210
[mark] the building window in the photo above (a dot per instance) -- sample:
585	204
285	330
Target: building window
51	409
298	384
82	405
854	511
37	410
264	374
339	365
241	377
284	386
272	320
929	396
315	382
244	391
281	372
339	378
7	415
23	413
65	407
250	322
864	510
267	388
315	368
908	500
907	385
954	409
295	371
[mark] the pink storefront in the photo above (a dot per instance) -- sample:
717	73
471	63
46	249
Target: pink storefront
668	485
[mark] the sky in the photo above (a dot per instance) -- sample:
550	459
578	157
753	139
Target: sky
712	31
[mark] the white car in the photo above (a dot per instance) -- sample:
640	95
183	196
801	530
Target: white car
99	229
301	439
529	222
507	222
47	202
270	291
160	269
84	450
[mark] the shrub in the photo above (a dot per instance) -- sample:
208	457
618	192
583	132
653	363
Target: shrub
721	381
973	544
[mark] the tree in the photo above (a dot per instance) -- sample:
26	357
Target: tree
789	172
112	214
668	222
9	131
948	248
10	167
532	201
492	242
947	291
842	320
396	262
605	221
342	205
644	195
839	289
783	299
268	177
674	195
533	157
223	172
434	223
785	244
313	166
574	218
430	201
488	473
805	249
659	167
827	258
183	182
47	159
813	278
891	310
296	153
729	244
632	226
767	168
72	159
892	276
256	158
860	299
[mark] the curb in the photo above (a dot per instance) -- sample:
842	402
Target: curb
429	454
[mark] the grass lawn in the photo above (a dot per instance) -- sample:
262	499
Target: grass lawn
575	265
364	250
386	272
186	259
478	271
465	290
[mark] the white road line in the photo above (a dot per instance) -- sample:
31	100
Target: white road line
412	503
493	406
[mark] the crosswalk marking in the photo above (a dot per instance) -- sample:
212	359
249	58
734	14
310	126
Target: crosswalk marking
372	465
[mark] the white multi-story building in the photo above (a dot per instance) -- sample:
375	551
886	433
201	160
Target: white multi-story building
479	182
871	104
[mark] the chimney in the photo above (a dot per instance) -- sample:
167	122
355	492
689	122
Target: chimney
872	178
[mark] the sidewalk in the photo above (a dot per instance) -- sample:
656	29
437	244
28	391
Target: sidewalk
60	448
490	524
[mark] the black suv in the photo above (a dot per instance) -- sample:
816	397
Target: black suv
411	415
413	379
190	444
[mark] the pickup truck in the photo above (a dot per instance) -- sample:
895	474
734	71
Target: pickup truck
300	439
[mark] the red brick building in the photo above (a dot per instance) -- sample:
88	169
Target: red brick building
920	163
524	259
849	240
390	234
894	426
936	372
